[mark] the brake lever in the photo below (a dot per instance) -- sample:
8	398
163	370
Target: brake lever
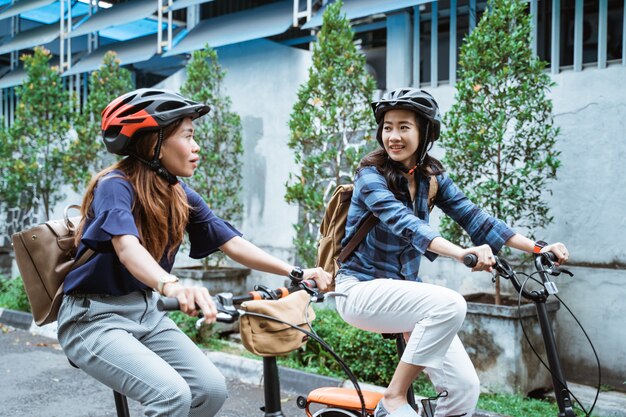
226	311
559	270
552	268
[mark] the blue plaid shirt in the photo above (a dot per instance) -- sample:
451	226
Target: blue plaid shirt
393	248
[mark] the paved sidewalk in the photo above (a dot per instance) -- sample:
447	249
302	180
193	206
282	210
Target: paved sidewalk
35	372
36	380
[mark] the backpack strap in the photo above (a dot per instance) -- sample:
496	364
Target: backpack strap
80	261
358	237
371	221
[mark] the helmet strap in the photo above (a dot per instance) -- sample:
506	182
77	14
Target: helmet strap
155	164
424	147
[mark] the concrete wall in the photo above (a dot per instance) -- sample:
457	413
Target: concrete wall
262	79
589	208
588	202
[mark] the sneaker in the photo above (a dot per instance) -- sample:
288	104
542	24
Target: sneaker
380	410
404	411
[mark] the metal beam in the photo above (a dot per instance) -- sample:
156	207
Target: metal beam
65	42
399	50
578	35
15	29
434	44
472	15
416	46
533	26
160	10
193	16
602	24
452	58
555	51
624	35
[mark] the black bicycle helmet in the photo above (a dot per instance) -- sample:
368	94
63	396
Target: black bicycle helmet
415	100
145	110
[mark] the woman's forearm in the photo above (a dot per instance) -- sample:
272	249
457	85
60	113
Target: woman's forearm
444	247
247	254
138	260
520	242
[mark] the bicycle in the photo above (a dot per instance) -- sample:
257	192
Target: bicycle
334	401
348	402
545	266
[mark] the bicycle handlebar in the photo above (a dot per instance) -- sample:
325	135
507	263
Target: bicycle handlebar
470	260
225	302
544	263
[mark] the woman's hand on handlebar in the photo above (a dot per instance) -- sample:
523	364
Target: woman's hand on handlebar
192	298
558	249
322	278
486	260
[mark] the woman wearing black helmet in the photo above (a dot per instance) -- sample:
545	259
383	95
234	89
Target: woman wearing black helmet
135	214
393	183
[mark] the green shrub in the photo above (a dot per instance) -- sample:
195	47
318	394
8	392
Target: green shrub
205	336
369	356
12	295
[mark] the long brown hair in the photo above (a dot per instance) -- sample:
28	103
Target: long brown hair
161	211
392	170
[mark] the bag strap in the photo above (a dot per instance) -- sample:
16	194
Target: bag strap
358	237
80	261
371	221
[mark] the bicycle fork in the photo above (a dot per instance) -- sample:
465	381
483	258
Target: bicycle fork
271	388
561	391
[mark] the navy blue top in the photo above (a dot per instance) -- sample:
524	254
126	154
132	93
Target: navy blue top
113	200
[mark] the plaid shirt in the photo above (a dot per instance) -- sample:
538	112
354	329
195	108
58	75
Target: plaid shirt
393	247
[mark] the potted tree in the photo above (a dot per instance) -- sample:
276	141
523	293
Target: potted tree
330	126
87	153
500	149
218	178
34	146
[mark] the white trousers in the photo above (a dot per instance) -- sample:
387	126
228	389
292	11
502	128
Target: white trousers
432	315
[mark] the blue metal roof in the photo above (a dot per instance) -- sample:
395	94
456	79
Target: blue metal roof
119	16
260	22
355	9
130	52
51	13
27	39
181	4
23	6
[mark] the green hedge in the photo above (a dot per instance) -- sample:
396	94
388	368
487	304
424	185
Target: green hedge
12	294
370	357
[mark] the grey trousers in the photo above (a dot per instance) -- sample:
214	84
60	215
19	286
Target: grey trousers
128	345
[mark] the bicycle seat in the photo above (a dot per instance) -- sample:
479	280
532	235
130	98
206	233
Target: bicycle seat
344	397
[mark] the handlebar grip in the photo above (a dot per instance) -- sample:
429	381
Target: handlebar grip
309	283
168	304
470	260
551	256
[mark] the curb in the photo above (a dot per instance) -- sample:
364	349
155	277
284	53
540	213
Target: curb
17	319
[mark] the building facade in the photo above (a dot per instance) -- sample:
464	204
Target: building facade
265	48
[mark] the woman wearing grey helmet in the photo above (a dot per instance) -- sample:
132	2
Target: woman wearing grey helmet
380	278
135	215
